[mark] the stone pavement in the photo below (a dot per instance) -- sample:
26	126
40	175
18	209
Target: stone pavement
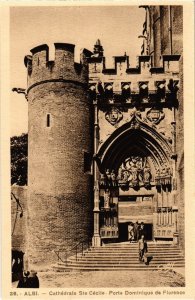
111	279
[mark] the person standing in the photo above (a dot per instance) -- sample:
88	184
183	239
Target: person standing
143	249
130	232
23	282
141	231
33	280
136	231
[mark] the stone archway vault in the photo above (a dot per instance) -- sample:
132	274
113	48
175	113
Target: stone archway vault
136	137
132	139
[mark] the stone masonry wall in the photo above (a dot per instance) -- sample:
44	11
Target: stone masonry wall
176	20
180	162
156	34
177	28
135	210
164	30
177	48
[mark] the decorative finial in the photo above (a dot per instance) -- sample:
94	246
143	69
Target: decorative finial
98	43
98	49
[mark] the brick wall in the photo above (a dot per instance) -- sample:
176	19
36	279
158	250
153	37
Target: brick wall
60	192
63	67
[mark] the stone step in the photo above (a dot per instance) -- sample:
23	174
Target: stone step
129	263
133	263
131	252
111	264
118	268
133	248
130	249
128	244
126	259
135	244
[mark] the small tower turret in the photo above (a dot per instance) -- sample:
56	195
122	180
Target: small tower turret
98	49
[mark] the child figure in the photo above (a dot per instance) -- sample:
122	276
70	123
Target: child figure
143	249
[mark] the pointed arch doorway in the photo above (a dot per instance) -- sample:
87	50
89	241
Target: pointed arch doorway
136	175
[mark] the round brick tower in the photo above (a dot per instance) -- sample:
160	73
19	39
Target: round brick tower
60	143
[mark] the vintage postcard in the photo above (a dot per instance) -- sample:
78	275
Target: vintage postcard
97	149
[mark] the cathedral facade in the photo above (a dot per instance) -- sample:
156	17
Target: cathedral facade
106	144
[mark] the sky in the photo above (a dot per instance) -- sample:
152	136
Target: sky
118	28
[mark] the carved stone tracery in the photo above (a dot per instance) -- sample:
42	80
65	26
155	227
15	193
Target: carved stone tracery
134	171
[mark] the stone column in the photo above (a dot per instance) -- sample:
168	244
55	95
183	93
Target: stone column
174	199
175	234
156	36
167	196
96	241
162	193
173	132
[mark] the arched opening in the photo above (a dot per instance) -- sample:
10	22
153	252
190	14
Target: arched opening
129	140
136	173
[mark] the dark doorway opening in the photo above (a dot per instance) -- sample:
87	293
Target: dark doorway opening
123	232
148	228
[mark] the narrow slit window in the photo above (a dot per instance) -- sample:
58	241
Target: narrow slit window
48	120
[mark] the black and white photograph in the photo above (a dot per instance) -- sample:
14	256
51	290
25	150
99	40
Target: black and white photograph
97	196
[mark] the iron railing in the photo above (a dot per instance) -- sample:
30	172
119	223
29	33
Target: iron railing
79	248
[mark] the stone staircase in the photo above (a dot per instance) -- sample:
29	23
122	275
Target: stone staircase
124	256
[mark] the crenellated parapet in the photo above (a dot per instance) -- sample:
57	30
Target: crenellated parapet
40	69
143	84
